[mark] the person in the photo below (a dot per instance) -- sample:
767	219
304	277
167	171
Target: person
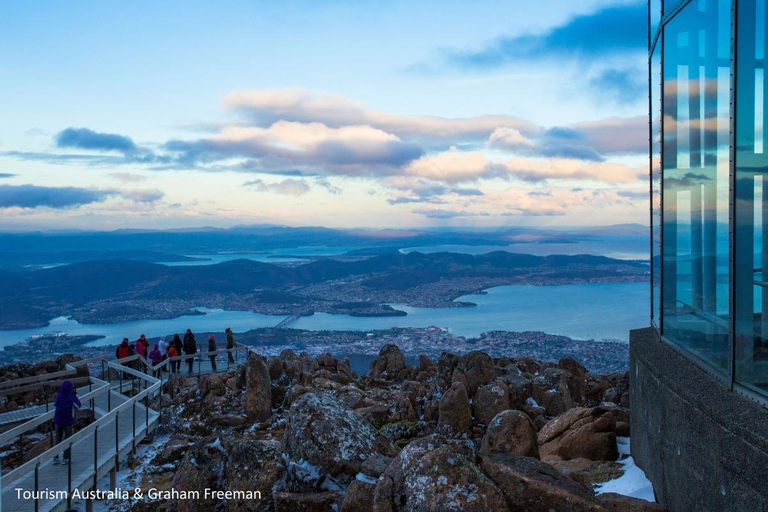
190	348
163	345
230	345
163	351
156	357
124	350
177	343
173	353
212	348
141	348
64	417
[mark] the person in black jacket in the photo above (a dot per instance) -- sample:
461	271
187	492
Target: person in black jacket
190	348
230	345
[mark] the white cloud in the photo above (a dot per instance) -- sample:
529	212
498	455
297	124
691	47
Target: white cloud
288	187
302	105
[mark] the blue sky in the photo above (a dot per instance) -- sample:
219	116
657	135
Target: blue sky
340	113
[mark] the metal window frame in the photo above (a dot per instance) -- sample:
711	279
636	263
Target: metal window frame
728	379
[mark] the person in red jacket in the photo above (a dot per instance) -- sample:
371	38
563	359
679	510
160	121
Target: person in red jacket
172	352
123	351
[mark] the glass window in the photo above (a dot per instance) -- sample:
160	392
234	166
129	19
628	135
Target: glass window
656	186
751	209
668	5
695	181
655	16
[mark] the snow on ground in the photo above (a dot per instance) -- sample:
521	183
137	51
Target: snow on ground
633	482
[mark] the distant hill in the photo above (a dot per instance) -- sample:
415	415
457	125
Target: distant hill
36	295
20	250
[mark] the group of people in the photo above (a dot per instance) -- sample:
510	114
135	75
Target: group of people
67	400
176	347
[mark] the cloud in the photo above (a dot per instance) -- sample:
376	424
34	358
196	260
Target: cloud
32	196
6	175
288	187
633	194
621	85
346	150
453	166
614	30
442	214
509	138
83	138
616	135
128	177
536	170
143	196
267	107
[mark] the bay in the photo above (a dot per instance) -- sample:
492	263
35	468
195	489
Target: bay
603	311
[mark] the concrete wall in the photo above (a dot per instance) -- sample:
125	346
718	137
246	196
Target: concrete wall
704	447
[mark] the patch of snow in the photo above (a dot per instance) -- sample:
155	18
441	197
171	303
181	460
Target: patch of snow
366	479
531	402
216	445
633	482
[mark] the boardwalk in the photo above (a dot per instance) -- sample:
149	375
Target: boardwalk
121	421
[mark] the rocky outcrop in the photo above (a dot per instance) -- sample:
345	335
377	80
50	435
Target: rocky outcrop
201	468
253	465
511	432
530	485
455	412
464	433
489	400
436	474
580	433
258	391
335	439
478	368
389	364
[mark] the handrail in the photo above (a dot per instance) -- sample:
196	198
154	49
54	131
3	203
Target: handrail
47	416
150	383
83	433
39	385
36	378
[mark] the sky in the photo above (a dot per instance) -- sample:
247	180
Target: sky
383	114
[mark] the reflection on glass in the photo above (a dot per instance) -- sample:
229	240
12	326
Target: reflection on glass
656	186
655	16
668	5
696	88
751	215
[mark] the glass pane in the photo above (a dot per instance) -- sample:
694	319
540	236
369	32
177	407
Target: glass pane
655	14
751	216
668	5
656	185
695	180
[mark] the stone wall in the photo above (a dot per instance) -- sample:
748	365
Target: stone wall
704	447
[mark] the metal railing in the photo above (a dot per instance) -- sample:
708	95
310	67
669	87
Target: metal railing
120	422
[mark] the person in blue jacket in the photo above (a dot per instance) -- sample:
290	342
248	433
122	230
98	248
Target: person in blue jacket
64	417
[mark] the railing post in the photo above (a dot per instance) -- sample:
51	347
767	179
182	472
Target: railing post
133	441
89	503
117	448
37	483
69	477
146	415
